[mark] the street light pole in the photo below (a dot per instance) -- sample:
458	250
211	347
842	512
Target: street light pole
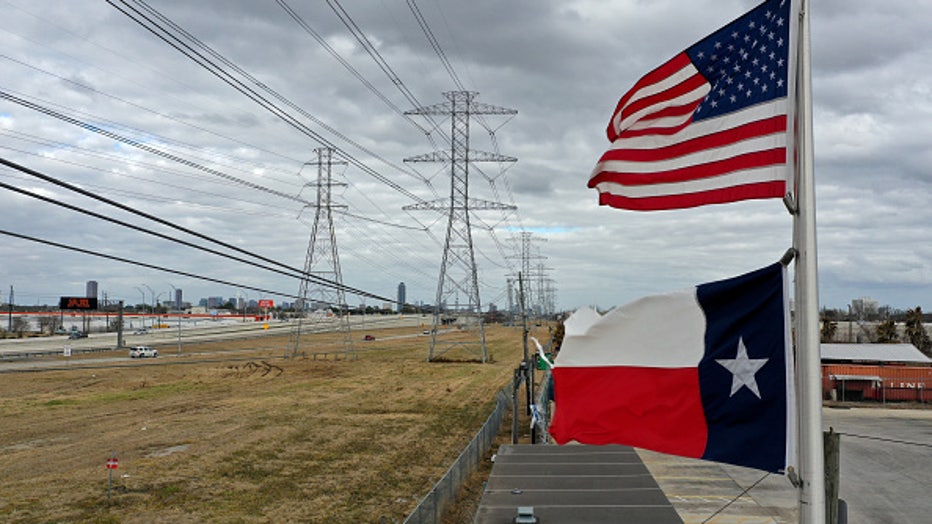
177	310
153	297
143	305
155	304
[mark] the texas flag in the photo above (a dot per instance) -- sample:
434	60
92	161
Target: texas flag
706	372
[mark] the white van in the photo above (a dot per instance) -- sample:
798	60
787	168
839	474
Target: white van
143	352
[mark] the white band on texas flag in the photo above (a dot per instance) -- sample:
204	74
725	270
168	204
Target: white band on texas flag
704	373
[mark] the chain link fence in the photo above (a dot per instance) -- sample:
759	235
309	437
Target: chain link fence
431	507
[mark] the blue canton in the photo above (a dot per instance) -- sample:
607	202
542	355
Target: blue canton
745	62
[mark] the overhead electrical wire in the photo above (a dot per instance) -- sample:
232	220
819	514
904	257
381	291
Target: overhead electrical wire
139	145
298	272
380	61
412	5
491	180
346	65
438	49
373	52
144	264
132	163
176	42
149	110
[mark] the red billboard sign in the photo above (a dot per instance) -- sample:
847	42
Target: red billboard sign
77	303
266	303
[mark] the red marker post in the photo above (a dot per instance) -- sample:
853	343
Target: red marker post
112	464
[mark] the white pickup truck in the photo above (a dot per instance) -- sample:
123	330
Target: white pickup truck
143	352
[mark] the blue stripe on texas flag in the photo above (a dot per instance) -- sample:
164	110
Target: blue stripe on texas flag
744	429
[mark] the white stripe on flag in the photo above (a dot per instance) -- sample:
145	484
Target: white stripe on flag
698	158
661	331
736	178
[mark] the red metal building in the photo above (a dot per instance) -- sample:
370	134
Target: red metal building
876	372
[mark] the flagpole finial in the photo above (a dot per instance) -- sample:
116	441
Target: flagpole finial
788	256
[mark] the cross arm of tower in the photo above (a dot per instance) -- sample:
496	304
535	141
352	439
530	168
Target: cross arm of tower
471	156
478	108
473	204
474	108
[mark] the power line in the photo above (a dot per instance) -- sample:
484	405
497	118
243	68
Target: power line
172	225
131	163
380	61
148	110
168	37
143	264
139	145
435	44
323	43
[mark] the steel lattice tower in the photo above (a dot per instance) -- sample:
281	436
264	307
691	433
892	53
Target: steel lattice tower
322	260
532	299
458	273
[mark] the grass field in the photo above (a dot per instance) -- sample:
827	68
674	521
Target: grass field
209	438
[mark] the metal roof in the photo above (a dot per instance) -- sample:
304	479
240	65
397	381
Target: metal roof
874	353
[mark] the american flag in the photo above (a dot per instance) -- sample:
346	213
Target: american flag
710	125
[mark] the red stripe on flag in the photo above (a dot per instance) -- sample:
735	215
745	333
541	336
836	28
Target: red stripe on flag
767	157
773	189
663	98
653	408
769	126
670	67
674	111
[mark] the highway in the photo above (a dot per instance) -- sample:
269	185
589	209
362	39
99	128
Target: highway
165	339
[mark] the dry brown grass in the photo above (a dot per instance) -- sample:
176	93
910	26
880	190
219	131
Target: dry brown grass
242	441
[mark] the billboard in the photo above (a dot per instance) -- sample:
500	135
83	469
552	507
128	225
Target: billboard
266	303
77	303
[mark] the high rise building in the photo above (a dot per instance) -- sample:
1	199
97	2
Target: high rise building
90	289
178	302
401	296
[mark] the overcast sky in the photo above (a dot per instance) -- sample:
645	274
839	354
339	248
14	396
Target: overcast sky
562	64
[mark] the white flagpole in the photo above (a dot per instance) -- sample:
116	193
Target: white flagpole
809	361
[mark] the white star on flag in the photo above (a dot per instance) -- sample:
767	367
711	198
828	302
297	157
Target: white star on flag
743	369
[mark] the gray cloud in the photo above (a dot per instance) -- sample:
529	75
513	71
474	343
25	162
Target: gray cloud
562	65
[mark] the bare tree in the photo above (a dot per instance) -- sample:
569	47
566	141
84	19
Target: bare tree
19	326
886	332
49	323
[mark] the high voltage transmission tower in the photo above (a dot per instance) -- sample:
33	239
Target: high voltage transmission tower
458	273
532	299
322	260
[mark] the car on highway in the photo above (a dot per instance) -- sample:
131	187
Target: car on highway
143	352
368	337
141	331
74	335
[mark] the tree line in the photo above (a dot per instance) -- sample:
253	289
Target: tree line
883	327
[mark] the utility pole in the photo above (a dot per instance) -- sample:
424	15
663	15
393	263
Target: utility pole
322	260
458	272
9	318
